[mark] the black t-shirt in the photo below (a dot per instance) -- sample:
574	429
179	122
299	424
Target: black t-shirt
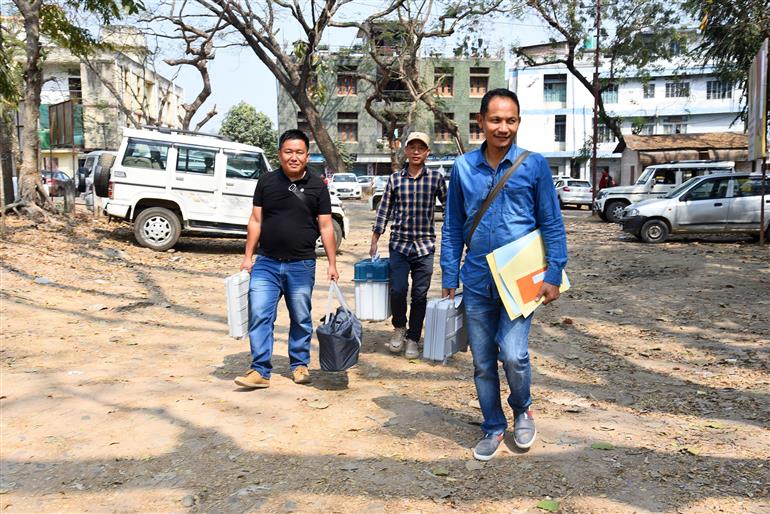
289	225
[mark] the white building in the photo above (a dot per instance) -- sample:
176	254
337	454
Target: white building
557	110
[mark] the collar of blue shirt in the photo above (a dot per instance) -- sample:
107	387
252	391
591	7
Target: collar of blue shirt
479	161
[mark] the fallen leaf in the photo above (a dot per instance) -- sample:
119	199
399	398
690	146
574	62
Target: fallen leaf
548	505
318	404
440	472
714	424
602	446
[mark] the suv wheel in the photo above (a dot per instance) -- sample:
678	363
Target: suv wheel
654	231
157	228
614	211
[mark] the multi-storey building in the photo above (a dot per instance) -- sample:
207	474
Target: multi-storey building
557	110
85	107
459	83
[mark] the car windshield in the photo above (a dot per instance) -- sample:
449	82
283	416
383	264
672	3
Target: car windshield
645	176
381	181
677	191
363	180
344	178
579	183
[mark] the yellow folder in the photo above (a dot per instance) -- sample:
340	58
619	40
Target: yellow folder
518	270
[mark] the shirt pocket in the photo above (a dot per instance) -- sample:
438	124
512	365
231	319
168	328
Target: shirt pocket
518	199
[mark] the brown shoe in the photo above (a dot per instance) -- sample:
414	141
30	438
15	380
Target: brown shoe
253	380
301	375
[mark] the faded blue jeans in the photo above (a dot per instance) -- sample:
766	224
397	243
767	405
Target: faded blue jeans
493	336
271	279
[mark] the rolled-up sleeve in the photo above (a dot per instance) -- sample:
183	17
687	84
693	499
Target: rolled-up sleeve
452	242
550	223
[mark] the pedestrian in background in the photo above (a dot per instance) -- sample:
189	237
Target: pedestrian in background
527	202
409	202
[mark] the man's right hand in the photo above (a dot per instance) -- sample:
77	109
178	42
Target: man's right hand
373	249
246	264
448	292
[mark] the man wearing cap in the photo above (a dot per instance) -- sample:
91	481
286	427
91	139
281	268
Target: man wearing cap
409	202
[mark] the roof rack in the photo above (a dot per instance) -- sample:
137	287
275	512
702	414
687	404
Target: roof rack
169	130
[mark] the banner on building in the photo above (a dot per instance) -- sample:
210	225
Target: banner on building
757	104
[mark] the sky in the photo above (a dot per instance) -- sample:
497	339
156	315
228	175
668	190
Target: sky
238	75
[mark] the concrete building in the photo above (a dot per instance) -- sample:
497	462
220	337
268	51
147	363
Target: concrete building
460	85
557	110
85	108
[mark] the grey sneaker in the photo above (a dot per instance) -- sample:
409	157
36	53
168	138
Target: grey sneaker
412	350
396	343
524	431
487	447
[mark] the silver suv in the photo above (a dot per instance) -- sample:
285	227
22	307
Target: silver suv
712	204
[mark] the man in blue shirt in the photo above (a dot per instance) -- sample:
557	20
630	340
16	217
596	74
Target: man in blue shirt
527	202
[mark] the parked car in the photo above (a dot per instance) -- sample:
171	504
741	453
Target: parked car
574	192
710	204
656	181
557	178
378	189
345	185
58	183
86	171
365	180
168	181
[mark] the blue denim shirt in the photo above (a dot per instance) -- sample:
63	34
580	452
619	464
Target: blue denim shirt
527	202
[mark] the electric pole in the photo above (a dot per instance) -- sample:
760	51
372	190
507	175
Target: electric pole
594	182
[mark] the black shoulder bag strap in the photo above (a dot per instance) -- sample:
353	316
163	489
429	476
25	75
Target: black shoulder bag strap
493	194
302	197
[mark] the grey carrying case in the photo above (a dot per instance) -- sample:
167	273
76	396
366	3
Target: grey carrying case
445	332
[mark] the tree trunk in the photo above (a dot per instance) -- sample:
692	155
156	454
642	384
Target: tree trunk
324	142
29	174
6	156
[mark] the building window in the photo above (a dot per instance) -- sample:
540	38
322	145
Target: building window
560	129
347	127
444	81
648	128
479	81
675	125
677	89
400	127
610	95
476	135
555	88
648	90
304	126
75	88
347	82
717	90
441	133
604	134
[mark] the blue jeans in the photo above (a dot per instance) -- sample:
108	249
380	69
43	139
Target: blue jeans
271	279
493	336
421	269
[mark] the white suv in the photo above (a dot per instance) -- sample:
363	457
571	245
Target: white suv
168	181
345	185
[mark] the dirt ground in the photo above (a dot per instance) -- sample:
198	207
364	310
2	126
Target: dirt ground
117	390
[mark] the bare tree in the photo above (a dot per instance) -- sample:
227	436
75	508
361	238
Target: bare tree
643	34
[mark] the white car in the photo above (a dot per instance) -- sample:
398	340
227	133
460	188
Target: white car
574	192
345	185
168	181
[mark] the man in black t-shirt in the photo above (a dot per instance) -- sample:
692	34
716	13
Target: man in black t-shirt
292	208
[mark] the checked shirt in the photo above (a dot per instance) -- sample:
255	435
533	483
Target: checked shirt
410	204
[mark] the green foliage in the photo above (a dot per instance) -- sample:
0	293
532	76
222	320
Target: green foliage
732	33
11	47
244	124
348	159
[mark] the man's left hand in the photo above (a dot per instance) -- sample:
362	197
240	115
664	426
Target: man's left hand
332	273
548	292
